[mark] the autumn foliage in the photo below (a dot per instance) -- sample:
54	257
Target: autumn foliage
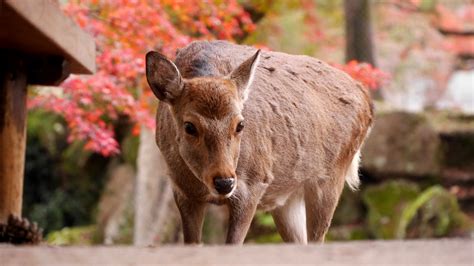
368	75
124	30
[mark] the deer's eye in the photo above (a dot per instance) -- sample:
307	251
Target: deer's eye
240	127
190	129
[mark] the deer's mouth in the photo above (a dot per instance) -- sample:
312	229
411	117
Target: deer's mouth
223	189
223	185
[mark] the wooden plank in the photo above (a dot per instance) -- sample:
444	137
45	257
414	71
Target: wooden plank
40	27
12	134
420	252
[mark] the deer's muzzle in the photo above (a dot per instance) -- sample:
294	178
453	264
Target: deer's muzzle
224	185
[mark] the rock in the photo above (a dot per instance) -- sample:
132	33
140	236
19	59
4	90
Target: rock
401	144
397	209
385	204
434	213
431	146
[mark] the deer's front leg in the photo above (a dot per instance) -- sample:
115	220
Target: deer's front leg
192	217
240	218
242	207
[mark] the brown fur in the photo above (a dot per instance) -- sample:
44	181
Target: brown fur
304	123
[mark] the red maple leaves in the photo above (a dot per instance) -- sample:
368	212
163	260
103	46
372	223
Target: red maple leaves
124	31
368	75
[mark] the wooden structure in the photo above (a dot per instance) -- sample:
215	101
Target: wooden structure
39	45
395	252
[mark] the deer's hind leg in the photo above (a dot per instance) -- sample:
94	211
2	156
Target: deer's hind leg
321	198
290	219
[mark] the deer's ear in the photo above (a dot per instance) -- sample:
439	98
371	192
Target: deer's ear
244	74
163	77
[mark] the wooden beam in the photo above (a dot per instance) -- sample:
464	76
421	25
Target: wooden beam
40	27
12	134
454	251
46	70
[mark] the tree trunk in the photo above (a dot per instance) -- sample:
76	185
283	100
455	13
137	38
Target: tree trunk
359	43
153	193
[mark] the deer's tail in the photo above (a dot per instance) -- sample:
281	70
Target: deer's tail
352	176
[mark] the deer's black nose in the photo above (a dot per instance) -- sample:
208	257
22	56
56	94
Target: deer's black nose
224	185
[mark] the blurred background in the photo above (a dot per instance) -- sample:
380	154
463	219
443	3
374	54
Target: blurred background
91	164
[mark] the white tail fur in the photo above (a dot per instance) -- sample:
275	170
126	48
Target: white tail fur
352	176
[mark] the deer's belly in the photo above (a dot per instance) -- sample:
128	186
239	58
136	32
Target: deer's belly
276	197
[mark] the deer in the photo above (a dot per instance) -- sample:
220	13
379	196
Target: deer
252	129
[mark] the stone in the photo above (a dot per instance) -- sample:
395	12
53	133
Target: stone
385	204
430	147
397	209
434	213
401	144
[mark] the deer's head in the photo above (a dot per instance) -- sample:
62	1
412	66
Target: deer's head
207	112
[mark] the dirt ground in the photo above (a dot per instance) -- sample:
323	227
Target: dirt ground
420	252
